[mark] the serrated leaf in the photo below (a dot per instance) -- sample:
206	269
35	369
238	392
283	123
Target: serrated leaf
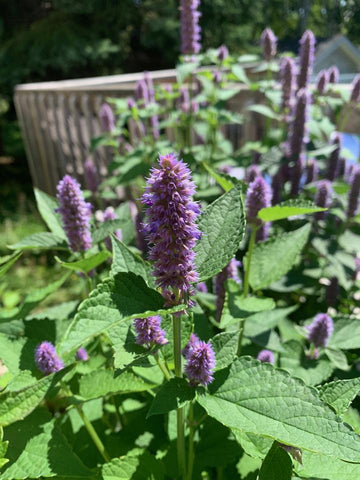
346	333
123	297
337	358
225	346
172	395
340	394
277	465
264	110
16	405
136	464
37	448
222	226
47	207
273	258
124	260
288	209
40	241
326	467
100	383
12	259
126	351
86	264
258	398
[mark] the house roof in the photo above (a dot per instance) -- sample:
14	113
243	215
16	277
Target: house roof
338	45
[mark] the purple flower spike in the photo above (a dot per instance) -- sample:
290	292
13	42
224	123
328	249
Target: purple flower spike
82	355
354	193
355	91
201	287
296	173
193	340
277	183
262	232
190	28
171	228
223	53
200	363
46	358
342	167
107	119
91	176
266	356
75	213
184	100
251	173
322	81
332	292
320	330
268	44
258	196
333	164
307	52
323	197
312	170
229	272
288	82
333	74
298	128
149	332
142	92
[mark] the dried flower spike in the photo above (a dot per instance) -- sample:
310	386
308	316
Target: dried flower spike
200	363
149	332
266	356
46	358
75	213
268	44
320	330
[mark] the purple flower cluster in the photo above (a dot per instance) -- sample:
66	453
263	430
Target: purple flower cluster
171	228
252	172
333	74
268	44
82	355
298	128
355	90
288	82
229	272
46	358
334	159
200	361
223	53
258	196
322	81
354	193
320	330
75	213
91	176
266	356
190	28
307	52
142	91
149	331
323	197
107	119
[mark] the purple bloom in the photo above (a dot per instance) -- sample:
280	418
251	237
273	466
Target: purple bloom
75	213
148	331
322	81
109	214
268	44
200	363
323	197
258	196
296	173
82	355
312	170
276	186
332	292
342	167
251	173
320	330
229	272
287	80
223	53
266	356
307	51
142	92
333	164
91	176
201	287
217	77
46	358
193	340
333	74
171	227
298	128
353	198
184	99
190	28
107	118
355	90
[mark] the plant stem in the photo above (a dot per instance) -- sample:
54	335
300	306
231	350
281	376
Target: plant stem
162	366
246	284
179	411
191	441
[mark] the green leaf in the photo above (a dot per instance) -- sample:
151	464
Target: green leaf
220	179
262	322
123	297
288	209
256	397
222	226
264	110
340	394
47	207
273	258
124	260
37	448
172	395
326	467
225	346
12	259
86	264
106	229
10	351
126	351
136	464
346	333
16	405
337	358
40	241
239	73
100	383
277	465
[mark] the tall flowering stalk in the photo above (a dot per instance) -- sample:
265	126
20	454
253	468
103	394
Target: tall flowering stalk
306	61
288	83
334	159
107	118
323	197
91	176
258	196
268	44
354	193
298	134
190	28
75	213
322	81
333	74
